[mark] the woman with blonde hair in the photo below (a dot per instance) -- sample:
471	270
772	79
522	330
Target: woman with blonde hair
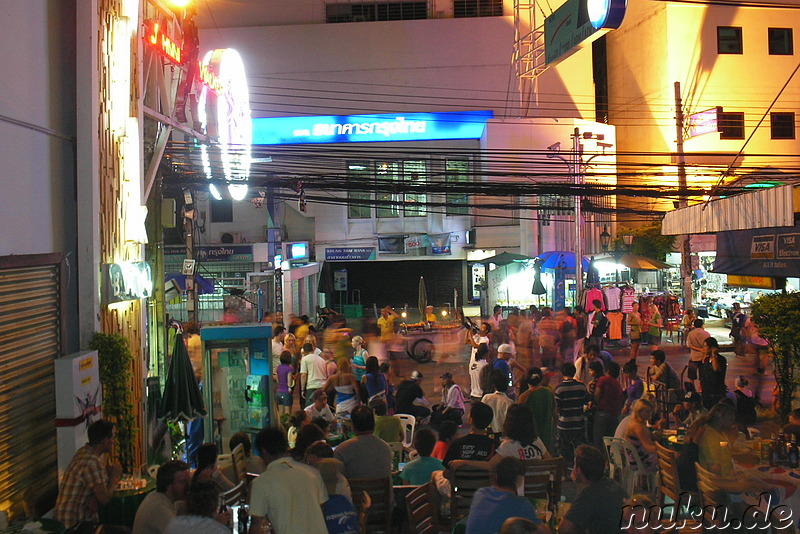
639	435
360	355
634	320
346	387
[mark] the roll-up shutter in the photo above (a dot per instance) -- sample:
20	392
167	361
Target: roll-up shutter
30	341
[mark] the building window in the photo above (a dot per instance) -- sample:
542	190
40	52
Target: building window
731	125
729	40
477	8
387	174
782	125
359	203
375	11
780	41
457	174
221	210
414	175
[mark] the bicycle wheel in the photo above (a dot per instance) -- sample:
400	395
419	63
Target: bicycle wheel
421	350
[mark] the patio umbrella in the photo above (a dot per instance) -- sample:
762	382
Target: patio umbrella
182	400
422	299
538	286
634	261
555	259
504	258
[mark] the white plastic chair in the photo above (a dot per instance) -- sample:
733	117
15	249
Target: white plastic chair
616	458
409	422
636	470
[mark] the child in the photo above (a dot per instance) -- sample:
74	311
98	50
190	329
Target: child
418	471
447	433
284	376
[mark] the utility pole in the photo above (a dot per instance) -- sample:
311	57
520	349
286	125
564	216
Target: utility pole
577	170
686	249
189	216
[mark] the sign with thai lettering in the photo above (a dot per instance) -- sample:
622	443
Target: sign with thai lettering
224	253
350	254
704	122
759	252
370	128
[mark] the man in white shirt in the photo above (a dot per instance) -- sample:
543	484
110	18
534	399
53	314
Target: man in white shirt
158	508
498	401
277	346
313	372
288	494
695	340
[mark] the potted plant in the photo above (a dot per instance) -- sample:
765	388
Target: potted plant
115	360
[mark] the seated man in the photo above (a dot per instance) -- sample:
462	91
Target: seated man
491	506
387	427
88	481
365	455
598	505
319	407
476	445
409	396
419	470
793	426
158	508
202	512
690	410
289	494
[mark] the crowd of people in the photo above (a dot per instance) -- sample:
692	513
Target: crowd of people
540	384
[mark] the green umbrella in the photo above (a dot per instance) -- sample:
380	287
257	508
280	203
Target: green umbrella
182	400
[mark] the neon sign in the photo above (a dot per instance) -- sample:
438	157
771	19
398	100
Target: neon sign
126	281
209	78
161	42
370	128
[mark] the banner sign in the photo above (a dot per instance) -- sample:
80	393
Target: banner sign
440	244
704	122
759	252
417	241
370	128
350	254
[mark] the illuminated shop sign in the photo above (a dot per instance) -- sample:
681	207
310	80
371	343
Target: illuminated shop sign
126	281
577	23
156	37
370	128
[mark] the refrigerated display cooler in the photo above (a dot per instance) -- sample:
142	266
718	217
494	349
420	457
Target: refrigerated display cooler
237	387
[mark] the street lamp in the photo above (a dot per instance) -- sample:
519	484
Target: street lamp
577	168
617	252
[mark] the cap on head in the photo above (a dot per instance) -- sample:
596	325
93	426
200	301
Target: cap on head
692	396
416	375
505	347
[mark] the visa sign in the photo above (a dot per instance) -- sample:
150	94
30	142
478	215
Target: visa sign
763	247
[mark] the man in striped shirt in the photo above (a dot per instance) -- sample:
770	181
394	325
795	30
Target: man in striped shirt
571	396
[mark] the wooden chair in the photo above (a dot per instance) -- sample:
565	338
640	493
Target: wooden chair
669	481
465	482
379	490
713	498
409	423
636	472
543	478
239	464
420	510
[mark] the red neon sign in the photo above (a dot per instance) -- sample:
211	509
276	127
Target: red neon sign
209	77
158	40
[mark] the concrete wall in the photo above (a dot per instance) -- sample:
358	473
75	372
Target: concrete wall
37	126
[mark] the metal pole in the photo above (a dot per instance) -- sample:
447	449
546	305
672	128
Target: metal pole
577	171
686	250
191	290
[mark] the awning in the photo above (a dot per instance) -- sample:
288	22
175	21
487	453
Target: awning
765	208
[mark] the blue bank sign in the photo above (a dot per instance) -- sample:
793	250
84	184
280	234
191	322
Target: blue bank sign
370	128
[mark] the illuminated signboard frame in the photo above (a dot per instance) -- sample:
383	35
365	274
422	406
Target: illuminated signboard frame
577	23
370	128
156	37
224	113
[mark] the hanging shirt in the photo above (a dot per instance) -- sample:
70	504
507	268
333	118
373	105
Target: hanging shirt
592	295
612	294
614	324
628	298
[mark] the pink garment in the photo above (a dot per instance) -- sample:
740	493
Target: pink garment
592	295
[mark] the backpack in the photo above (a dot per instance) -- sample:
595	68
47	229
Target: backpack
601	324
